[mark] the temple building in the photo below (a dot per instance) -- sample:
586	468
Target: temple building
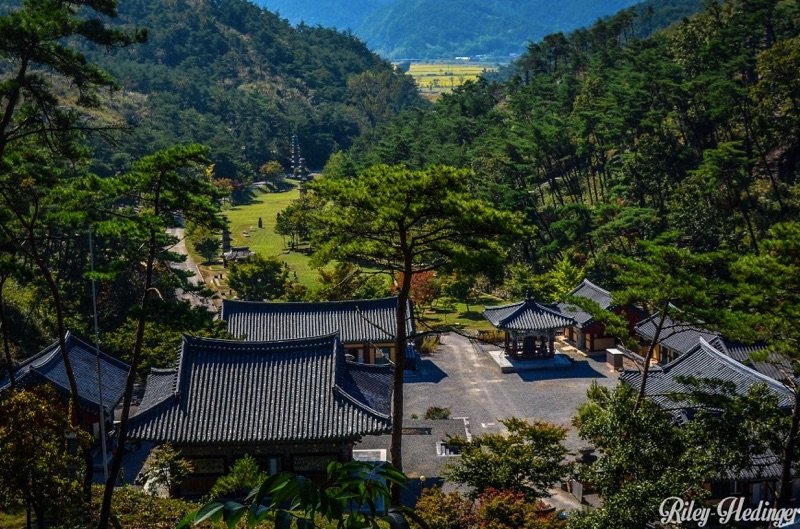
530	327
293	405
706	362
366	327
587	334
678	338
47	367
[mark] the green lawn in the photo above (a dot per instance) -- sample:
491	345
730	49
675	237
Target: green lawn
445	314
264	241
12	521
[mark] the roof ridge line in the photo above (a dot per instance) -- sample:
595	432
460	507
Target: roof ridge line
341	391
252	343
96	349
739	365
298	303
595	286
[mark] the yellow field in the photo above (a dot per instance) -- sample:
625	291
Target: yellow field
438	77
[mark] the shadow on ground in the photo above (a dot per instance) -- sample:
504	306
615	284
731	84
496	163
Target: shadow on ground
579	369
427	371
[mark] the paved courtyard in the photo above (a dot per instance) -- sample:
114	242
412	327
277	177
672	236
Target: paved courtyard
461	376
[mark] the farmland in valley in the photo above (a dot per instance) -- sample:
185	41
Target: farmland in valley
436	78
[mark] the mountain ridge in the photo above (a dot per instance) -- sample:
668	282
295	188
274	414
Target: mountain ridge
437	29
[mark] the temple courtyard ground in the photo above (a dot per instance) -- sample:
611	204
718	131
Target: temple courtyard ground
461	376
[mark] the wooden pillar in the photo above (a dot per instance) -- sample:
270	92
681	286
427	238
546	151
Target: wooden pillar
551	345
514	344
506	345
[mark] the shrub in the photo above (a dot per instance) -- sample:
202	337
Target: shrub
243	476
165	470
494	509
504	509
529	460
437	413
445	511
429	344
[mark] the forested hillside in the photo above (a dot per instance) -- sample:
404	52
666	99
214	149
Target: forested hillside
603	139
242	80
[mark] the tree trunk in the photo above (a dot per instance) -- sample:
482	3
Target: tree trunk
648	358
785	493
116	460
399	369
4	327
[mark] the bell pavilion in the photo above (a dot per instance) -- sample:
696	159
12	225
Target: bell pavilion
530	327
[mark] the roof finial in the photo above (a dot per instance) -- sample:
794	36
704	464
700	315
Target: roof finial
527	293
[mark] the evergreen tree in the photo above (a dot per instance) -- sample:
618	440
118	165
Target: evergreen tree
407	222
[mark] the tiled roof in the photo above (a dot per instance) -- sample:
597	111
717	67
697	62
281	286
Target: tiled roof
772	367
527	315
683	337
588	290
676	335
363	320
226	391
704	361
48	366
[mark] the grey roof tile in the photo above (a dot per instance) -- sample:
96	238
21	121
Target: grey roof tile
48	366
676	335
226	391
704	361
588	290
527	315
364	320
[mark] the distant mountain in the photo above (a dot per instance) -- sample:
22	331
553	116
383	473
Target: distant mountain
443	29
340	14
447	28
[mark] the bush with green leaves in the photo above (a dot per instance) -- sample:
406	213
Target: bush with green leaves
165	470
528	460
350	498
243	477
259	278
437	413
37	464
493	509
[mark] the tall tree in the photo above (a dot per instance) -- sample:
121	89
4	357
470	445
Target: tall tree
765	305
407	222
670	283
162	185
35	42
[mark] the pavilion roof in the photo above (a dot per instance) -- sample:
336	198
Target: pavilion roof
47	366
360	320
527	315
704	362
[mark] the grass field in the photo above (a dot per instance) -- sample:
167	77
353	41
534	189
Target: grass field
264	241
443	315
438	78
